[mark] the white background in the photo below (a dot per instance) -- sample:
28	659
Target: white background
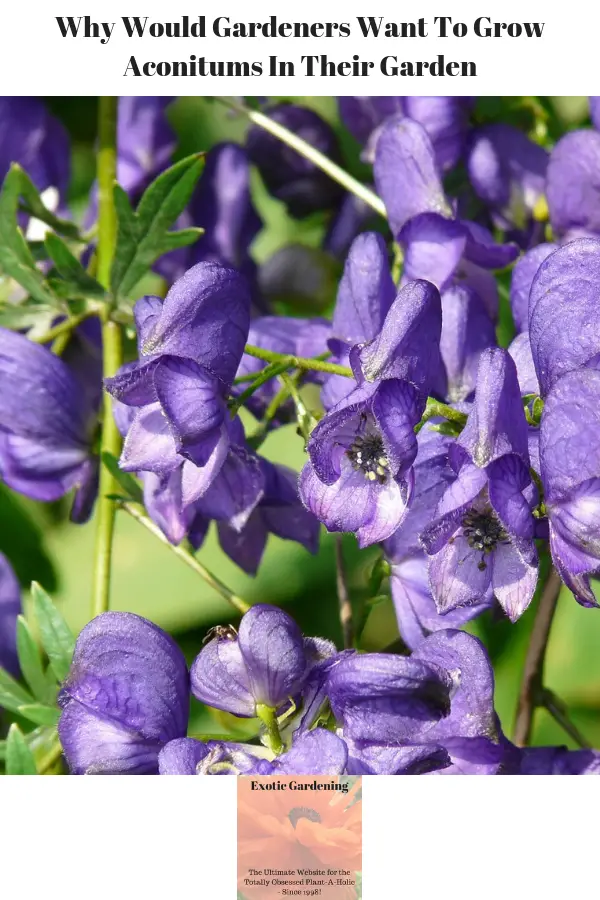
424	838
36	59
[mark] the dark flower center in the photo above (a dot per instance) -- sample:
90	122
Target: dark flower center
303	812
367	455
483	531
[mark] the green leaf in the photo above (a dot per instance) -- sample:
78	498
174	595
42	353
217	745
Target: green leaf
40	714
12	695
124	479
56	636
34	206
143	236
71	270
16	259
19	758
30	661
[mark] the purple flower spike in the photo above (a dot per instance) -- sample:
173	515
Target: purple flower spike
508	172
573	185
570	469
264	664
10	608
366	291
564	326
382	698
126	696
46	422
290	177
523	274
406	173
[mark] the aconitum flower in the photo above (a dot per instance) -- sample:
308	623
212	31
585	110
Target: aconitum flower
481	540
508	172
279	512
290	177
125	698
564	326
10	608
437	246
32	137
47	425
222	206
317	752
358	477
409	579
365	295
595	111
427	712
570	470
445	119
573	185
264	664
145	142
190	347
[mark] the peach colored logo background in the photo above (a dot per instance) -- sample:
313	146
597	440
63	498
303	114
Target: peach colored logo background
299	837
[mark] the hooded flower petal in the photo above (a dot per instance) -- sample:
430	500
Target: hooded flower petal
496	424
522	277
573	185
564	327
467	331
220	679
317	752
406	173
126	696
407	346
520	350
433	248
182	756
380	697
366	291
10	608
205	317
273	650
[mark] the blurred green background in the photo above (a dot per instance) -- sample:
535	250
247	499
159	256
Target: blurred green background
148	579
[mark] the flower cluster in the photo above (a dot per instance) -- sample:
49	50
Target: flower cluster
447	392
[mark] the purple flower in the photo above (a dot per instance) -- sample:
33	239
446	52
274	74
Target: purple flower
564	327
126	696
47	425
445	119
264	664
10	608
595	111
32	137
481	541
317	752
436	244
467	330
508	172
358	477
431	711
524	272
145	142
573	185
279	512
415	607
365	295
570	470
290	177
222	206
555	761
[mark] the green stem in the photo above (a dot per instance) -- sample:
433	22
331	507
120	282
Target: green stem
65	327
309	152
298	362
271	371
187	556
435	409
112	350
268	717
